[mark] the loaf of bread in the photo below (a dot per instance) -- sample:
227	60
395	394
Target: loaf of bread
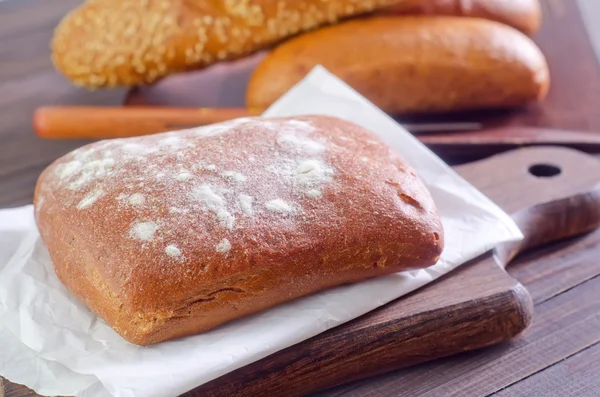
106	43
410	65
524	15
172	234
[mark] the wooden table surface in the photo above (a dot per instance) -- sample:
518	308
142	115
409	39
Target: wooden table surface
558	356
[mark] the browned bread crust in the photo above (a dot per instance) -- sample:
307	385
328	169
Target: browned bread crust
172	234
524	15
413	64
106	43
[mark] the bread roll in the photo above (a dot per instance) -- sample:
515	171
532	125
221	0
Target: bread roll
172	234
106	43
412	64
524	15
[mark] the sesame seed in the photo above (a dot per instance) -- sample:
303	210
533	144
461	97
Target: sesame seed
112	80
272	25
140	68
152	75
132	50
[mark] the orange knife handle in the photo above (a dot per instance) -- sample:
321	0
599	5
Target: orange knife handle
64	122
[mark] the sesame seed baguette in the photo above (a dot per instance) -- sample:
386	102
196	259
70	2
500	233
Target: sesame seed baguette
108	43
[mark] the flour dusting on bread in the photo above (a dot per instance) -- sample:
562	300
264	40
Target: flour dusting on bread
245	203
311	172
66	170
136	199
279	206
123	173
223	246
221	128
143	231
315	193
235	176
214	201
88	172
173	251
90	199
183	176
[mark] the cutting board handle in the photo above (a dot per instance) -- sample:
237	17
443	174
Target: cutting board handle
566	179
552	221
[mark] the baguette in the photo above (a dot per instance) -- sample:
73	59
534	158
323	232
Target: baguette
172	234
411	65
524	15
107	43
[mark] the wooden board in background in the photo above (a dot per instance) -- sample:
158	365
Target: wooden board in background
571	104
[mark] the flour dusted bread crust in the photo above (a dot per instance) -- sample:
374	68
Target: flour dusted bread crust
172	234
106	43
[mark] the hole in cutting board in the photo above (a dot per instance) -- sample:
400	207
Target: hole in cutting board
544	170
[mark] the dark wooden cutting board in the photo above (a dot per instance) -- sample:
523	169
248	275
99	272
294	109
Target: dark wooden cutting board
475	306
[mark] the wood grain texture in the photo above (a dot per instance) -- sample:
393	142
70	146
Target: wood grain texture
576	376
28	81
554	269
435	322
555	275
481	143
552	221
561	327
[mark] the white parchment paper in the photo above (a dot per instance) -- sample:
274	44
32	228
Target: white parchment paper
52	343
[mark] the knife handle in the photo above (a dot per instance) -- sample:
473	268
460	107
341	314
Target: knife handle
81	122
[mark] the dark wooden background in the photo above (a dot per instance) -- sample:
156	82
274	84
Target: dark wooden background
558	356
